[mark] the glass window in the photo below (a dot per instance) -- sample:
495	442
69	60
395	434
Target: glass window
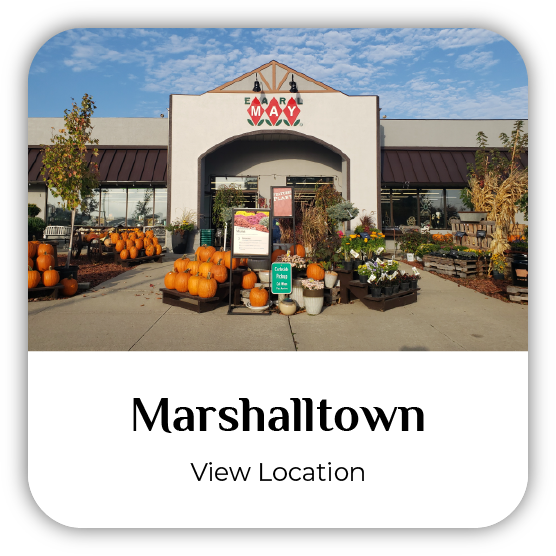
404	207
160	206
432	208
112	207
247	183
385	208
453	204
58	215
306	186
140	207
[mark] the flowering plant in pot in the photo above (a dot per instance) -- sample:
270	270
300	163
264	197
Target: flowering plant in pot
299	264
498	265
346	249
313	295
180	228
330	277
364	272
405	280
375	281
393	280
416	276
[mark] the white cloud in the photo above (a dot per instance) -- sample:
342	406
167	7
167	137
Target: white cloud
475	60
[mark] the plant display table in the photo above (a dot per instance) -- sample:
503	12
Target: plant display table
387	302
137	260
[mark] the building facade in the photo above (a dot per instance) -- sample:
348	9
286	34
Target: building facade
294	130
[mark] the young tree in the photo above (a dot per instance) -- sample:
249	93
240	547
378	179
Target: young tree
67	172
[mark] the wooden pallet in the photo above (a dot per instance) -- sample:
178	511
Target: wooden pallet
441	265
44	291
332	295
194	302
138	260
518	293
387	302
466	269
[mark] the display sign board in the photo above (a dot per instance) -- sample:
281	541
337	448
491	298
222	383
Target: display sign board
281	278
282	201
250	233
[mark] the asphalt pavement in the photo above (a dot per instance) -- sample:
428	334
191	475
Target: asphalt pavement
126	313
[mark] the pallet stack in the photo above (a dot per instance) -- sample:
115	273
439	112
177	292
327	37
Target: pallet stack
442	265
517	293
471	240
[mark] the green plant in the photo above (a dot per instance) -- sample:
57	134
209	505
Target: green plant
227	197
184	223
32	210
343	212
35	227
363	270
498	263
410	241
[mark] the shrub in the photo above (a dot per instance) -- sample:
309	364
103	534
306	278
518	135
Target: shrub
32	210
409	241
35	227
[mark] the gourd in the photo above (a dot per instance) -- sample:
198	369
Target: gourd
120	245
170	280
315	271
230	263
147	241
124	254
149	234
155	240
248	280
70	286
125	236
194	284
276	253
243	262
206	252
108	242
204	268
258	297
133	252
181	281
207	286
50	277
181	264
44	261
133	236
33	278
219	272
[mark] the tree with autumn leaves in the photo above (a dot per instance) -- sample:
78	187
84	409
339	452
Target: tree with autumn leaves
66	167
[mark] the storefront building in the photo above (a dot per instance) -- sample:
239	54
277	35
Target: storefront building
292	130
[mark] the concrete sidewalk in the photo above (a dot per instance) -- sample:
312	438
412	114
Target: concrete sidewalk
126	313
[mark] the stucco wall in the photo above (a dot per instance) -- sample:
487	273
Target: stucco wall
37	194
443	133
109	131
199	123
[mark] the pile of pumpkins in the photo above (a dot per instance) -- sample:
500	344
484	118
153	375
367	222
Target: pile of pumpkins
299	251
40	269
128	244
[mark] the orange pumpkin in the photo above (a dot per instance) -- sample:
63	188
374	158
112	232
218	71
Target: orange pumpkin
125	236
133	252
193	266
299	250
154	240
198	252
50	277
31	249
114	237
129	243
217	257
231	264
33	278
207	253
258	297
219	272
276	253
149	250
140	235
193	284
139	243
204	268
248	280
124	254
158	249
147	241
170	280
181	281
243	262
45	248
44	261
181	264
207	286
315	271
70	286
149	234
120	245
30	262
133	236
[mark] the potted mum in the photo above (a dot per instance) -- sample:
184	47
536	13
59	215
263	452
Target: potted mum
364	272
180	229
313	295
299	264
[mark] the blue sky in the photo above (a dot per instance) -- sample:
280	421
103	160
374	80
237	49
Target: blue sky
418	73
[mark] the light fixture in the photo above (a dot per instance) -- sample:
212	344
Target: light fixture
293	86
257	87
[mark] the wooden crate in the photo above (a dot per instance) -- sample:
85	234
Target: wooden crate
44	291
194	302
471	240
517	293
332	295
138	260
466	269
442	265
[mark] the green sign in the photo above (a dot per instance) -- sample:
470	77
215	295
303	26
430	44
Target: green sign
281	278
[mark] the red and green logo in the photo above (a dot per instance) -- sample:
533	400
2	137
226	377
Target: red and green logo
275	113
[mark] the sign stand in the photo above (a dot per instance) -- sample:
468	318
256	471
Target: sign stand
248	243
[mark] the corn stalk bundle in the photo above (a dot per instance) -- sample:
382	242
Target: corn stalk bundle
315	227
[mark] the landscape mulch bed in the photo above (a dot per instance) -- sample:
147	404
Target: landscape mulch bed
486	286
94	273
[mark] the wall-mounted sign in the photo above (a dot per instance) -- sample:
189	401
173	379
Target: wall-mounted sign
282	201
281	278
273	113
250	233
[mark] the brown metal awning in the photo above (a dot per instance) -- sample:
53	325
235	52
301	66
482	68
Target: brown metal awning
116	164
423	166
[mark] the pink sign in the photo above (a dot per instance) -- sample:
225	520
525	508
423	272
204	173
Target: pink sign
282	201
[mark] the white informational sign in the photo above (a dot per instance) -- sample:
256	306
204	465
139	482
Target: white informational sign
251	234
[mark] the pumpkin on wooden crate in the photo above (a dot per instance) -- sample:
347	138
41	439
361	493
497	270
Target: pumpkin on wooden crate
181	281
133	236
154	240
218	256
30	262
124	254
193	266
70	286
248	279
219	272
194	284
158	249
170	280
147	241
229	262
50	277
114	238
45	247
129	243
120	245
258	297
315	271
139	243
206	252
133	252
181	264
33	278
243	262
207	286
44	261
125	236
149	234
149	250
275	254
31	249
204	268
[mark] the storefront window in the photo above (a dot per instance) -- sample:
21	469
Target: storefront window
140	207
453	204
57	215
306	186
432	208
160	206
112	207
404	207
385	208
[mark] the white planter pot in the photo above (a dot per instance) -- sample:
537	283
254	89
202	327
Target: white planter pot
330	279
297	296
313	305
472	216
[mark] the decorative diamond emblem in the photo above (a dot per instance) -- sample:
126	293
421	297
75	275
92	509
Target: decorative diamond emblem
255	111
273	111
291	111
